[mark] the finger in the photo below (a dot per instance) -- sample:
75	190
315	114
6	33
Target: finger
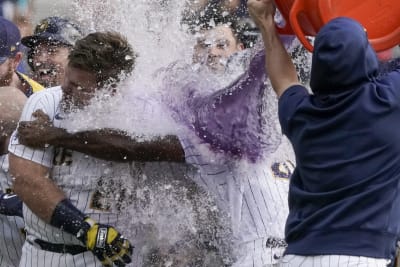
113	255
122	244
99	253
117	260
126	258
123	249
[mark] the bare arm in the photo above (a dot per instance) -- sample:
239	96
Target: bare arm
116	145
106	144
33	186
279	65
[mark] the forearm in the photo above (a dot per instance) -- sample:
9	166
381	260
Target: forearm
279	65
116	145
35	189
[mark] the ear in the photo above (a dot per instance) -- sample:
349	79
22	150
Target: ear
16	60
240	46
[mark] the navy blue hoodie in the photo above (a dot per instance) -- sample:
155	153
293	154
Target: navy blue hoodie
344	194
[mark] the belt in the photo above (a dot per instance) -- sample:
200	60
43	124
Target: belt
61	248
273	242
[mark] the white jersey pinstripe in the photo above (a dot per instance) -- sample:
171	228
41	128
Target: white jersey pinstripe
255	197
78	176
91	184
11	235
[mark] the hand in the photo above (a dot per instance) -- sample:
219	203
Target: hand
109	246
261	10
37	133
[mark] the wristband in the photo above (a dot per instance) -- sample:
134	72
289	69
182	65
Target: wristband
67	217
10	205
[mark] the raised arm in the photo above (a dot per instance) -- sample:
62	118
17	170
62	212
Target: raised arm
279	65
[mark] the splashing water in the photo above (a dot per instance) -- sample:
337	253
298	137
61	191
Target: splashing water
170	219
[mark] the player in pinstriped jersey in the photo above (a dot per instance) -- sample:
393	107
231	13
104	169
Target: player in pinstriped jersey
12	235
62	229
280	170
238	165
235	145
68	165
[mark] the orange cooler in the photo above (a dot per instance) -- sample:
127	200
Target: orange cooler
381	18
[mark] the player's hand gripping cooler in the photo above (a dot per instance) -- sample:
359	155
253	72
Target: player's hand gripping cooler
381	19
109	246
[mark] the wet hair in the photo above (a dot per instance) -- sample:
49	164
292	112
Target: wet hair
106	54
211	16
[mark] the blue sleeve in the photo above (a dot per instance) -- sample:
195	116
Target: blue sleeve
288	104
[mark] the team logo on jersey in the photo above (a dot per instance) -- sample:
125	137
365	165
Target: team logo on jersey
282	170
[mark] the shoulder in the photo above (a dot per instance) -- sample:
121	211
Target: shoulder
50	95
47	100
291	98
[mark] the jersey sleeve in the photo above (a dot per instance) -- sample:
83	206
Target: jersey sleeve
288	104
46	103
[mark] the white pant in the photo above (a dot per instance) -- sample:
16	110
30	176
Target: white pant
331	261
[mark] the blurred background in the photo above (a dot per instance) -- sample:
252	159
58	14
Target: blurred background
26	13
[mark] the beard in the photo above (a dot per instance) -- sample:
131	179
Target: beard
6	78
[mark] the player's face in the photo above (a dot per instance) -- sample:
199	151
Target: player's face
49	62
215	46
79	87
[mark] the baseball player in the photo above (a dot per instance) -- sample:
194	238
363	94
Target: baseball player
240	166
343	202
66	211
49	47
12	101
256	199
244	169
263	191
10	58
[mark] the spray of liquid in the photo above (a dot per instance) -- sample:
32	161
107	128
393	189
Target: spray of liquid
171	219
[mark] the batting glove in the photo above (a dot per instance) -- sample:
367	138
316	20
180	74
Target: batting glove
109	246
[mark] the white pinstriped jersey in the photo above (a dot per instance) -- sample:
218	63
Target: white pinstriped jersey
255	197
92	185
157	189
11	236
